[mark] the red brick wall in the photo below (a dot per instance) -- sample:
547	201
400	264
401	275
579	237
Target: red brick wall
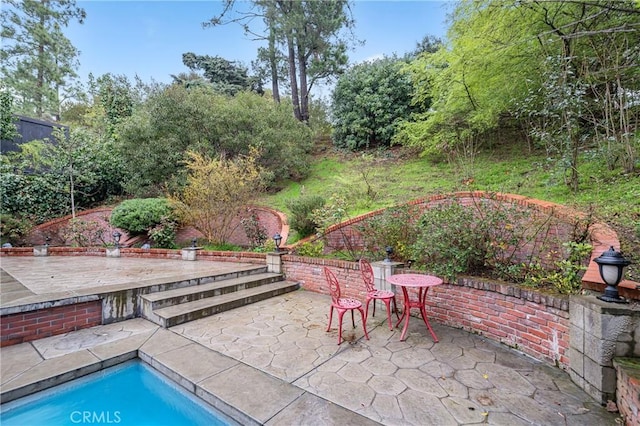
272	221
32	325
628	390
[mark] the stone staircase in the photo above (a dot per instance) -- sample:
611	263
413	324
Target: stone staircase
211	295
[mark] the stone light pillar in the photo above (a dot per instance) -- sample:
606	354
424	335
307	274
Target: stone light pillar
190	253
599	332
274	262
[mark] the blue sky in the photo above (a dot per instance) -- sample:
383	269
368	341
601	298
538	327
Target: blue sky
148	38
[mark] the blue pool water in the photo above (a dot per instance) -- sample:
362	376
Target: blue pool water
129	394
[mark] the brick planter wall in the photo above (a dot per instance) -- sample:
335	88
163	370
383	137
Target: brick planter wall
32	325
628	389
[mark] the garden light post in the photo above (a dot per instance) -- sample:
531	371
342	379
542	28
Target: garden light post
611	266
389	251
116	239
277	239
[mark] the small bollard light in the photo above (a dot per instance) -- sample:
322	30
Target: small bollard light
116	238
277	239
389	251
194	241
611	266
47	241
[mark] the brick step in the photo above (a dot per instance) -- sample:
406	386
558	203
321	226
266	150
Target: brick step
184	312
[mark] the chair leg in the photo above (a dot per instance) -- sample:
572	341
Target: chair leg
330	318
387	303
353	320
340	314
366	308
364	323
395	307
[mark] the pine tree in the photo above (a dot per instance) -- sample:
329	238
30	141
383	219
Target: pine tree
38	61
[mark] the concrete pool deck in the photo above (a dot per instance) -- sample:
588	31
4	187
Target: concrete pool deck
273	363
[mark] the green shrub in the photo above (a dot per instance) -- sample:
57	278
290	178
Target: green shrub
84	233
256	233
447	243
396	228
13	230
138	216
164	233
311	249
301	209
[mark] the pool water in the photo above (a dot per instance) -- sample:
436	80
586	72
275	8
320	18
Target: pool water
128	394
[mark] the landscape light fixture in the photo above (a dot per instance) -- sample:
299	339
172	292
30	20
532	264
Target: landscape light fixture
47	241
278	239
194	241
611	266
389	251
116	238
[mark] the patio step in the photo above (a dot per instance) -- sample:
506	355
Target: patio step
180	305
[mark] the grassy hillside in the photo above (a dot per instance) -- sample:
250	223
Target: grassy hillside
385	178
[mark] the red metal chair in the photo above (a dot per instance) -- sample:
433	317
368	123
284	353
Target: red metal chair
342	305
374	294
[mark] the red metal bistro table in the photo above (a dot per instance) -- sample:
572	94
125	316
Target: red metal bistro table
422	283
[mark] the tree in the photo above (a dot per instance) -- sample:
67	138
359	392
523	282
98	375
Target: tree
307	34
497	69
226	77
8	129
368	102
38	60
217	193
154	140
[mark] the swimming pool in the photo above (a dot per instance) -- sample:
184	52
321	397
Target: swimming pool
128	394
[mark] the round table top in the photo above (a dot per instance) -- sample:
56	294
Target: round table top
414	280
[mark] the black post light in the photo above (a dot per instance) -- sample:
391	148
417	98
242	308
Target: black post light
389	251
47	241
194	242
611	266
278	239
116	238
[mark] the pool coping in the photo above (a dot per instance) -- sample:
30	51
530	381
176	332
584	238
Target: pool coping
259	398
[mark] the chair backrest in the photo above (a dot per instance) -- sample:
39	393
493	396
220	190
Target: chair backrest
334	285
367	275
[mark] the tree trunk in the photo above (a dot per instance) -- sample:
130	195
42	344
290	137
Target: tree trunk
273	63
39	98
304	92
292	76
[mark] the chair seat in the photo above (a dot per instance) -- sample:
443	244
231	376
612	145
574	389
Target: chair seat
381	294
346	303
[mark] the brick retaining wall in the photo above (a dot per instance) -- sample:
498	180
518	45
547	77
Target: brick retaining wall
33	325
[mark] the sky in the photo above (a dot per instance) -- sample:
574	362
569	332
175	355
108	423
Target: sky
148	38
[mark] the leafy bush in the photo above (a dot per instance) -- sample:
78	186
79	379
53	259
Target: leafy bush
164	233
368	102
84	233
447	243
138	216
502	241
301	209
256	233
396	228
311	249
13	230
